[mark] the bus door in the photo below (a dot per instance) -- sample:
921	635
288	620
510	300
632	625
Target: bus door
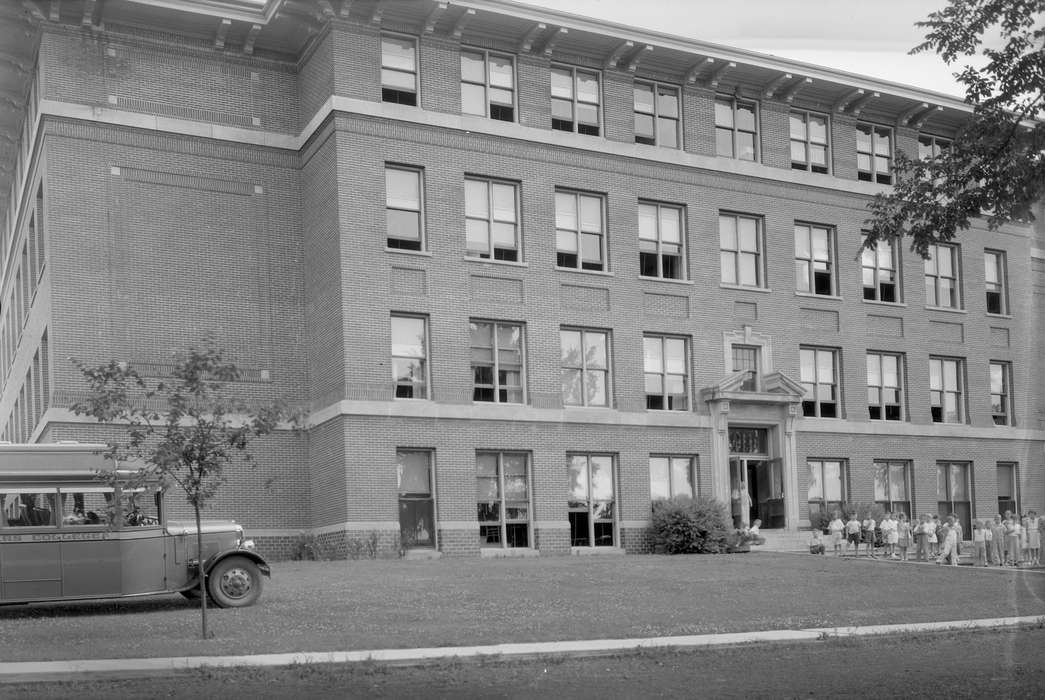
30	553
91	564
143	541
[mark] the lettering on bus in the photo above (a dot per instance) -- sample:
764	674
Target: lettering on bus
56	537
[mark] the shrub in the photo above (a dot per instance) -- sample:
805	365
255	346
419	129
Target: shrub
685	525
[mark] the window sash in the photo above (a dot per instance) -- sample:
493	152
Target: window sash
736	129
661	239
404	199
946	390
809	141
994	282
491	219
1000	380
740	250
585	367
671	477
575	96
879	267
814	259
874	153
665	362
488	84
819	376
503	499
498	362
885	386
580	230
657	112
827	481
591	501
399	63
942	287
409	352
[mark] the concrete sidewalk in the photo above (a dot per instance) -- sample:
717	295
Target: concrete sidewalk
39	671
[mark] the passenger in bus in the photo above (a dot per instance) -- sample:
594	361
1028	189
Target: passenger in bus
75	518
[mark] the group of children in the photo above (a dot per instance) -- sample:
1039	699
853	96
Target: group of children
1006	541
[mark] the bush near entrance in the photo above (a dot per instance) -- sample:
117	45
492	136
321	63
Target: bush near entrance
684	525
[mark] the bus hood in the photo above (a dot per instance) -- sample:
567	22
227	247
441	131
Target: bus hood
188	527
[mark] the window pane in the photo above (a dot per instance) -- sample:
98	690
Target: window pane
565	211
881	482
595	351
833	481
405	225
817	129
402	189
651	352
670	225
643	98
477	236
748	230
746	117
473	99
475	199
675	355
501	72
503	202
898	482
408	337
562	83
397	53
601	478
816	486
588	88
647	222
797	126
727	232
658	478
591	213
681	479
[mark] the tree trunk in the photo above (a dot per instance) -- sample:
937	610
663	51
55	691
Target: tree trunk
199	571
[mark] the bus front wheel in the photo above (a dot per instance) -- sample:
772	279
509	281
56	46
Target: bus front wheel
234	582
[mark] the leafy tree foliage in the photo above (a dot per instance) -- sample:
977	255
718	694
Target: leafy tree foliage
183	430
996	164
685	525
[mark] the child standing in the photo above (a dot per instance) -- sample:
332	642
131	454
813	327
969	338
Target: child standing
949	535
988	540
852	534
997	549
1034	538
834	531
932	528
1012	541
979	541
867	534
889	535
903	535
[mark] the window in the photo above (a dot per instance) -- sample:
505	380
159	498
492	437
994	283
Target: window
575	100
941	277
1006	475
994	282
592	504
28	507
403	208
656	115
398	70
409	357
931	146
881	283
491	219
497	361
827	492
952	492
814	259
736	131
874	153
664	359
579	231
671	476
945	390
585	367
416	499
740	243
745	359
820	381
1001	395
660	241
488	85
87	505
892	487
503	495
884	386
808	141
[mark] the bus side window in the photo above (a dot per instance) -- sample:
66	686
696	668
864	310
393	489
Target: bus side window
86	506
29	509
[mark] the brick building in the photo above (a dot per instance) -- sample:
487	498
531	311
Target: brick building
528	271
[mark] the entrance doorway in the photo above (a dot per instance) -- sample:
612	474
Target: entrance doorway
756	481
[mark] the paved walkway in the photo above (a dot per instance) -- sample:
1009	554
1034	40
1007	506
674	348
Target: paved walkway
30	671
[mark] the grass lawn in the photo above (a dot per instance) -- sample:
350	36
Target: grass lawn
349	605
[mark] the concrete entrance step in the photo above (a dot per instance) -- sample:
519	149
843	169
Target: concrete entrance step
784	541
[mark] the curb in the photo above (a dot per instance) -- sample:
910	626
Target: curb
38	671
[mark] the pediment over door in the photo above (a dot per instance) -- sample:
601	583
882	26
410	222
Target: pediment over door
776	388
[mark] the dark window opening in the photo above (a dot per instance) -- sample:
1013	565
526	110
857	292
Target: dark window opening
502	113
401	97
404	244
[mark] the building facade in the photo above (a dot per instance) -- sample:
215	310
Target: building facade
528	271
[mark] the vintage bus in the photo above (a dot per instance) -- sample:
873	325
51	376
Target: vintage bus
66	534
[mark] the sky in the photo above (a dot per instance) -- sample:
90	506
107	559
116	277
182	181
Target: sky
867	37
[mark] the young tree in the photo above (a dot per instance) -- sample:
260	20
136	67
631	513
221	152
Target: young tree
996	164
184	430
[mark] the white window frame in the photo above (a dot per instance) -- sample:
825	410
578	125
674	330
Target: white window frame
424	384
886	497
669	401
499	387
404	205
733	103
671	124
940	388
586	369
815	407
576	103
818	482
490	106
388	88
669	469
810	264
1000	379
930	146
492	219
503	522
934	276
995	281
878	268
591	505
874	172
732	257
661	249
808	143
876	362
579	230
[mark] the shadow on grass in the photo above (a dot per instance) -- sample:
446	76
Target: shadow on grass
116	606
